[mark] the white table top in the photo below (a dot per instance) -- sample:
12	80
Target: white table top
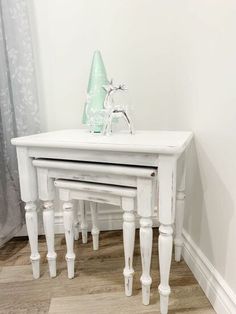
165	142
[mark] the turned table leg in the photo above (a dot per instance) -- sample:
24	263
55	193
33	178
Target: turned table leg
46	194
69	234
179	215
167	192
178	241
31	218
145	206
84	224
128	239
165	252
76	220
29	194
95	231
48	221
146	255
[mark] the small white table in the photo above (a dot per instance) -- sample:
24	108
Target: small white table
158	149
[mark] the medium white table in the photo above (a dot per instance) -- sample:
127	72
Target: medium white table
158	149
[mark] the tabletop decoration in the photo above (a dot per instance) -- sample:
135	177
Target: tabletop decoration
115	111
100	110
93	115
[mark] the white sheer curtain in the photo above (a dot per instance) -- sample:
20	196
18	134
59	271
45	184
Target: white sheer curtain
18	107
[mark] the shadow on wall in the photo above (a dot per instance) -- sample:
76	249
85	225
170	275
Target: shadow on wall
209	207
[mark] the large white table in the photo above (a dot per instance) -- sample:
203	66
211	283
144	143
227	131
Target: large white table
157	149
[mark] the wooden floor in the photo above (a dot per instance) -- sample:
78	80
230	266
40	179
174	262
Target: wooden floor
98	285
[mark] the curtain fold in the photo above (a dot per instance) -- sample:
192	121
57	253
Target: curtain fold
19	113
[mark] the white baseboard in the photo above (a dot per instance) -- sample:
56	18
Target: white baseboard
221	296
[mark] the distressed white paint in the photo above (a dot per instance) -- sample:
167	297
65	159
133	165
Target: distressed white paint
84	223
146	255
95	229
95	172
46	194
48	221
129	237
165	252
98	169
86	191
167	192
28	187
31	219
126	158
117	195
76	220
150	142
69	234
163	152
180	204
27	175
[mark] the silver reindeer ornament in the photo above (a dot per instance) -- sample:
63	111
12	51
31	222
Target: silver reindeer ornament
114	111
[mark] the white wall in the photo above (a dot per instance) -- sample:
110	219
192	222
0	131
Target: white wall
178	59
135	39
206	55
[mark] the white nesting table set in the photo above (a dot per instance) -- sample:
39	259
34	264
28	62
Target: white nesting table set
130	171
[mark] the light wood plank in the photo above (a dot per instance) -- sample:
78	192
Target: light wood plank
116	302
98	280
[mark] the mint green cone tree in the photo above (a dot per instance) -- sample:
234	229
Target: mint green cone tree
96	94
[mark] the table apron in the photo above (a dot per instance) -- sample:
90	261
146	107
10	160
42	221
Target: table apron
125	158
